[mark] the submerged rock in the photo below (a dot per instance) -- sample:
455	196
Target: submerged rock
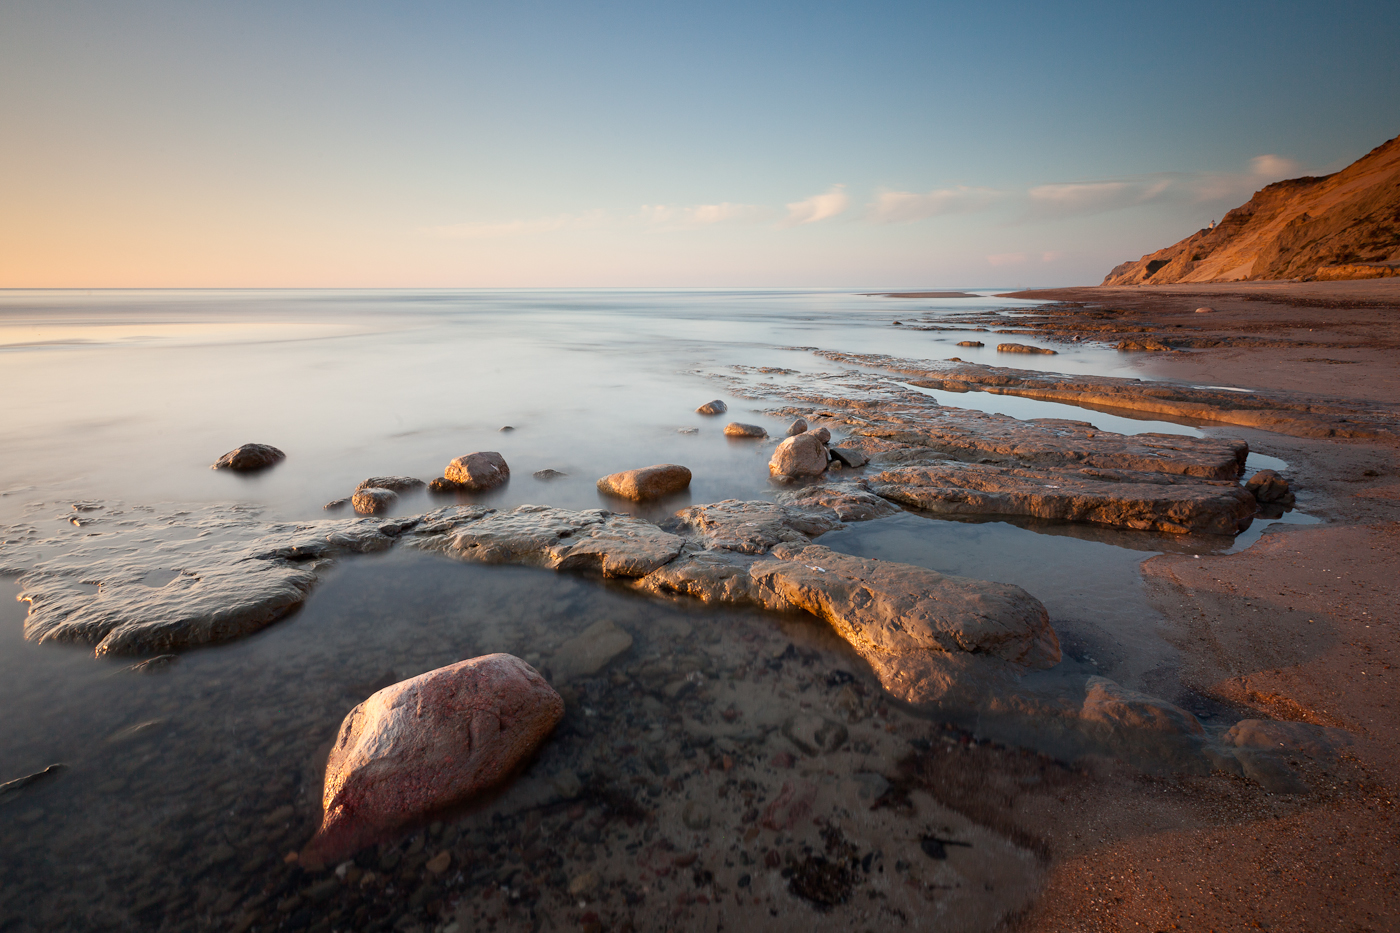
478	471
716	407
737	429
852	502
549	474
249	457
662	479
427	743
798	456
971	343
371	501
444	485
590	651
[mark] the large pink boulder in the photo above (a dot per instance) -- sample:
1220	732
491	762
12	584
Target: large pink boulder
426	743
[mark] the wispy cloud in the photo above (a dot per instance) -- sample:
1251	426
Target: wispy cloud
1048	202
817	207
514	228
699	215
899	207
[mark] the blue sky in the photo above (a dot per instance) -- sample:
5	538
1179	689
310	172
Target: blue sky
580	144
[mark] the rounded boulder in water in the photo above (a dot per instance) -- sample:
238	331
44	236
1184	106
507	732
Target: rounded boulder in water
249	457
483	469
803	455
646	483
427	743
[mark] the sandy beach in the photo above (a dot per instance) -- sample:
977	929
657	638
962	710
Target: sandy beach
1299	627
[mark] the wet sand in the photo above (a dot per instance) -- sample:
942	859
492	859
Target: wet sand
1302	626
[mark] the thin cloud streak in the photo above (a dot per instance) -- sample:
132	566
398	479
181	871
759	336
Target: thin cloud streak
699	215
818	207
900	207
1071	199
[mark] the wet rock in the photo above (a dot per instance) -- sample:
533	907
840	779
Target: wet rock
687	430
395	483
549	474
971	343
373	501
737	429
222	573
849	457
1205	310
439	863
797	427
1143	345
1289	738
423	744
1122	498
557	539
334	504
663	479
1270	488
444	485
852	502
1141	728
249	457
10	788
752	527
800	456
813	734
925	634
590	651
1269	771
1022	348
479	471
709	576
716	407
821	434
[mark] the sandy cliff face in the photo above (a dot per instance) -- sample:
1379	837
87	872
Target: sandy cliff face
1340	226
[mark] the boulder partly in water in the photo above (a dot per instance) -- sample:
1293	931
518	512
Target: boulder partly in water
427	743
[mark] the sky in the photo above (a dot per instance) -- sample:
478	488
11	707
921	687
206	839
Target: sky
547	144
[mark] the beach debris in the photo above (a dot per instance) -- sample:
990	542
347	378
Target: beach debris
478	471
738	429
716	407
249	457
800	456
436	739
662	479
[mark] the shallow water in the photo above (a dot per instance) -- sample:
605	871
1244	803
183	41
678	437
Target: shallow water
172	814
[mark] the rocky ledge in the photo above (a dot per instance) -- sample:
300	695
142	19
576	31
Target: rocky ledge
1284	413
